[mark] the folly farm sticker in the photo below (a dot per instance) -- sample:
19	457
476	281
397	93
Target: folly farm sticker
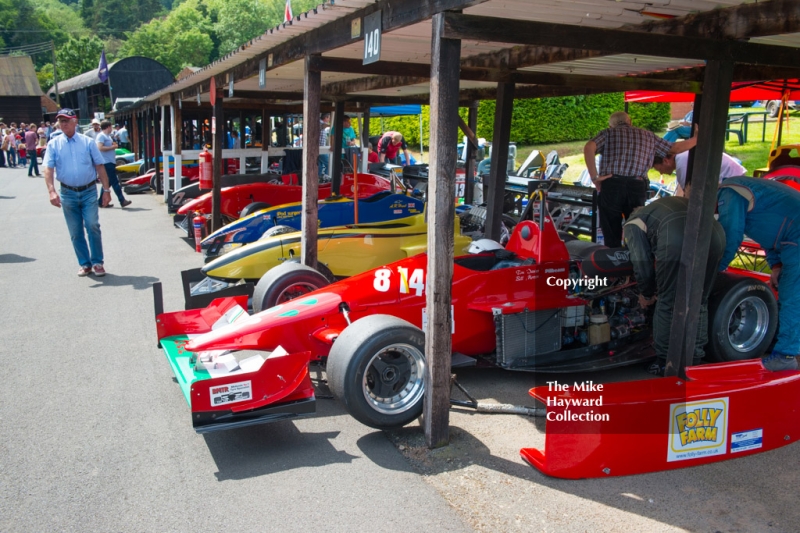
698	429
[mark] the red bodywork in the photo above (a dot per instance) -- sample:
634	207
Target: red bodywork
633	439
753	410
236	198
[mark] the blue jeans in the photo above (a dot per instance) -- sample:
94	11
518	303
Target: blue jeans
789	302
80	211
113	182
12	157
322	164
681	132
33	167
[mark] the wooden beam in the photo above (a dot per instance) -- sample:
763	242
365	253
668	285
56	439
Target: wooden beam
336	34
700	217
372	83
157	149
409	73
469	170
469	132
336	148
492	29
445	55
218	141
497	172
311	130
365	129
738	22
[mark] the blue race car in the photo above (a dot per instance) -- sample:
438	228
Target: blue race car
338	211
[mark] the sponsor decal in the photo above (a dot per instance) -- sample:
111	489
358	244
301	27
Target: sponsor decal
698	429
231	393
747	440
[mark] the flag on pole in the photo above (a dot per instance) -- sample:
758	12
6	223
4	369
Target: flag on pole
287	12
102	69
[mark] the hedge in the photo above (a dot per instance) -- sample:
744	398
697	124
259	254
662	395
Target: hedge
541	120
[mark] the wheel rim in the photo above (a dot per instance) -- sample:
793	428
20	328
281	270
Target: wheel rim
295	290
393	382
748	324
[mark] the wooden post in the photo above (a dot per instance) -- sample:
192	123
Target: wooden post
218	142
135	133
177	142
698	101
148	134
336	147
445	69
497	175
157	149
469	167
266	139
312	82
699	219
365	129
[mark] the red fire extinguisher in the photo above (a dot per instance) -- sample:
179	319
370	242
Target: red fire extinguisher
206	170
199	223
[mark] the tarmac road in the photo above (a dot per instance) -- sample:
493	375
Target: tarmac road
97	437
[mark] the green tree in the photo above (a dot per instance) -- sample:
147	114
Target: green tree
77	56
238	22
179	39
20	14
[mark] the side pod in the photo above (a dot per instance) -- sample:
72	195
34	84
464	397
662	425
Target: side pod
722	412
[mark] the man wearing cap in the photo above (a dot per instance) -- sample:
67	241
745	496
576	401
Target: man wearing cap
95	130
78	164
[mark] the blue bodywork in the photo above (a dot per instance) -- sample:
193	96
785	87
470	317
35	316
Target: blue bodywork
379	207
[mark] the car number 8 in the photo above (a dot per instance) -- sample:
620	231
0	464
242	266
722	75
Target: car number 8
381	281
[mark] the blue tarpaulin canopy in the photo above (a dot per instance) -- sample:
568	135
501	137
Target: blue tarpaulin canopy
395	110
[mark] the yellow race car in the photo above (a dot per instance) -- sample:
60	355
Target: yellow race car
344	251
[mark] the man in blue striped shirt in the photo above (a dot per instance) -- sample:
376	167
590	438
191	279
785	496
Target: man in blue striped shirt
78	164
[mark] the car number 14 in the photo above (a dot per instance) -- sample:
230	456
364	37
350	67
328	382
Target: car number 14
415	282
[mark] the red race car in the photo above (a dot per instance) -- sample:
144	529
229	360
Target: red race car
236	199
539	304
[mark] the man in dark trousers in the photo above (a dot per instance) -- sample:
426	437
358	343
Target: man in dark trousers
769	213
654	237
628	154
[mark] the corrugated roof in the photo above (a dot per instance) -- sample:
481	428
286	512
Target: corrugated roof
18	77
80	81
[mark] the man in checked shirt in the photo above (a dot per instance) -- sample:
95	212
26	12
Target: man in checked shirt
628	154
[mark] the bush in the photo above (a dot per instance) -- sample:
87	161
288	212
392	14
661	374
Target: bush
540	120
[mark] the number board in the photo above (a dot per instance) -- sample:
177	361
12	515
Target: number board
372	38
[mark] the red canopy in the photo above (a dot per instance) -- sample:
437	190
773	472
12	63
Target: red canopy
743	91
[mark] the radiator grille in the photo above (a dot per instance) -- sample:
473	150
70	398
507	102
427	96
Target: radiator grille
526	335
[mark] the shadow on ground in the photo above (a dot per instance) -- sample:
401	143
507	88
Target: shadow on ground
14	258
138	283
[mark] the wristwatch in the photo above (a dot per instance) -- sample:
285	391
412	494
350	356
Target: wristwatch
106	190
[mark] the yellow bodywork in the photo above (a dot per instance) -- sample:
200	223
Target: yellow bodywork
345	250
130	167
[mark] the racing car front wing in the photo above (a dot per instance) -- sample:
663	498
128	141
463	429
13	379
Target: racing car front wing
722	411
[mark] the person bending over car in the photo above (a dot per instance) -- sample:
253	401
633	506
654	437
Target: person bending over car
655	233
628	154
390	145
769	213
679	163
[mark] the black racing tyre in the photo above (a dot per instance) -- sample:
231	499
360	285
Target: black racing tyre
249	209
742	318
286	282
377	368
154	183
120	161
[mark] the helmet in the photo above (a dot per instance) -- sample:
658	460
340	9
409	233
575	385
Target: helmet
483	245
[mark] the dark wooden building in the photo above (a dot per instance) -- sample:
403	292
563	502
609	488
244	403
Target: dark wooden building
128	79
20	94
